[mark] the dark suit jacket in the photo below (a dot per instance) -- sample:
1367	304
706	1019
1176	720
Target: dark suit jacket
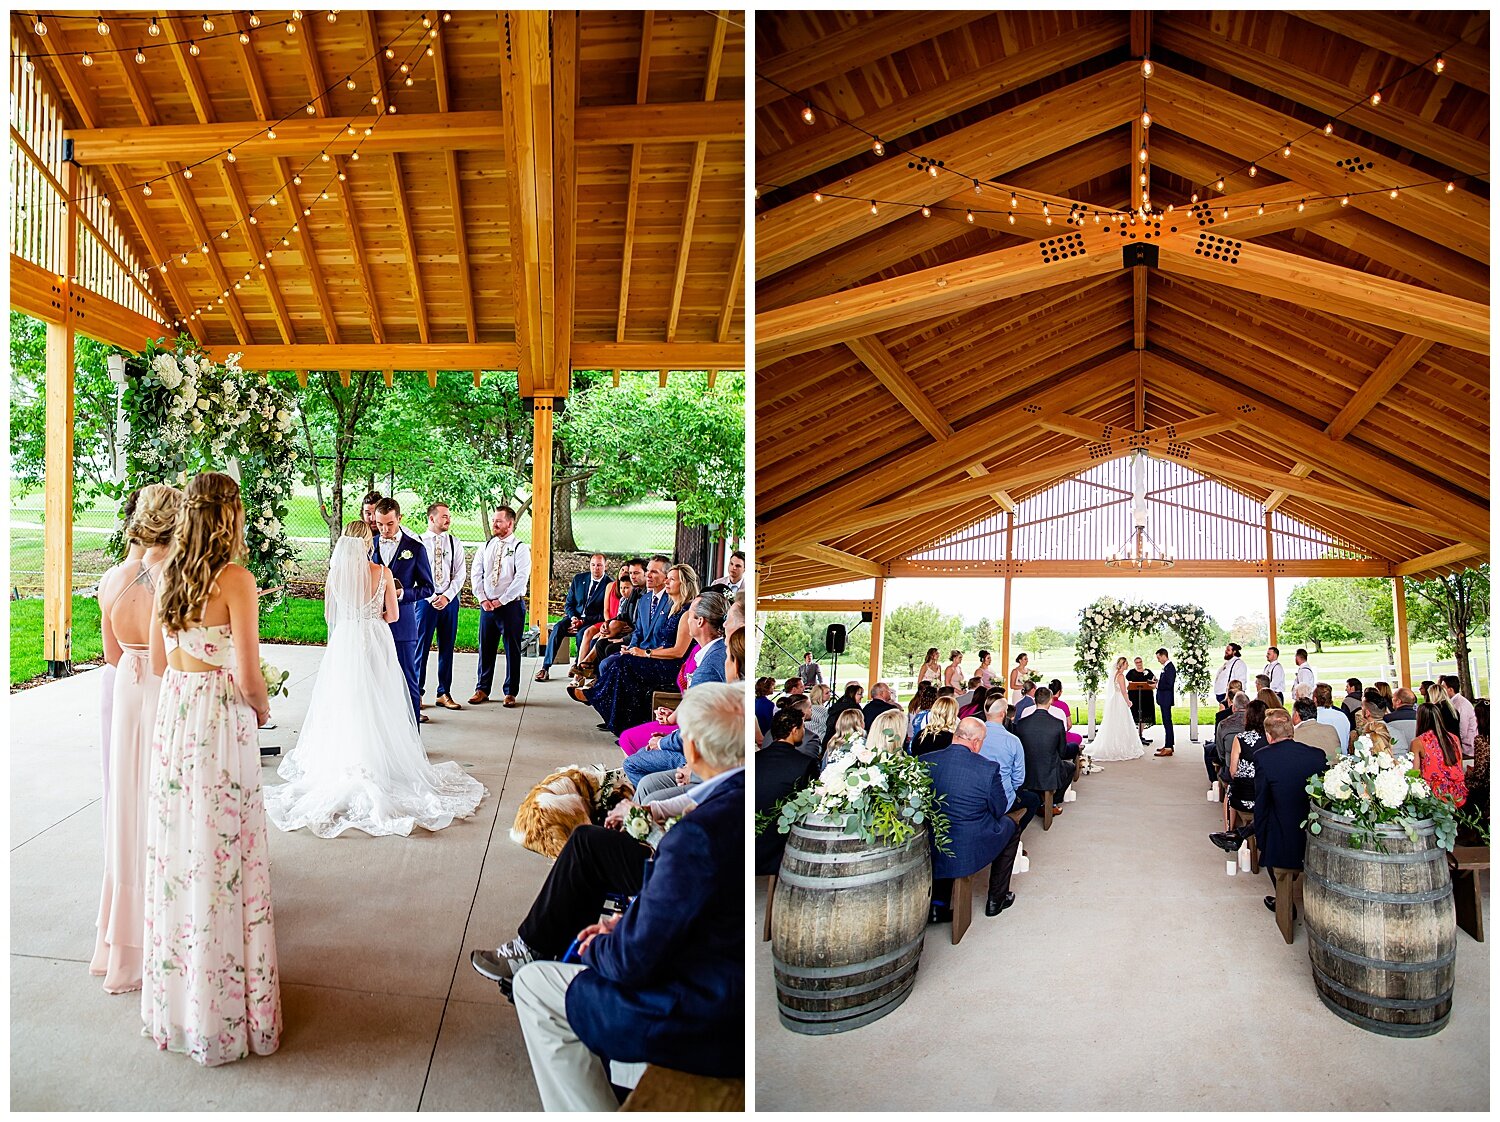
654	630
975	802
667	985
579	604
874	707
1282	770
1166	685
415	575
1043	739
780	769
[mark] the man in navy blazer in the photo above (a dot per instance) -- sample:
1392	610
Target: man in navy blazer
406	557
974	799
583	608
1166	694
664	983
1282	768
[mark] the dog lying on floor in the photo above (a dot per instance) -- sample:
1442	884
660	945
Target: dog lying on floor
568	798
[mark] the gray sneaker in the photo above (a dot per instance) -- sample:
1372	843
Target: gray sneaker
500	965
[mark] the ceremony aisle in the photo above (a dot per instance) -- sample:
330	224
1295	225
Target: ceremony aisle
382	1010
1131	974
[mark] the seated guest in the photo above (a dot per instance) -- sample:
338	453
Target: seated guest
920	702
1467	725
1226	706
1307	729
1061	711
979	833
1004	748
1028	699
1402	719
614	600
780	770
974	708
1044	743
966	698
704	663
936	733
1224	737
1301	691
817	723
1270	699
1262	682
1282	769
583	608
1384	690
853	695
1477	777
765	708
621	694
1439	755
1374	709
887	732
880	701
1354	695
1241	771
794	687
666	785
1437	695
1336	719
616	630
849	726
664	983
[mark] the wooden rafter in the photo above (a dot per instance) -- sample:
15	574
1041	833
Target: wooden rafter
455	192
1382	380
695	181
731	290
632	196
564	193
356	247
262	104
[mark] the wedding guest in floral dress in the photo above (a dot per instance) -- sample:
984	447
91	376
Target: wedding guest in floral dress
211	989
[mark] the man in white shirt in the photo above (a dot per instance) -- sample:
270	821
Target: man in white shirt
1275	672
1306	675
1468	722
437	616
736	574
1233	670
502	570
1335	717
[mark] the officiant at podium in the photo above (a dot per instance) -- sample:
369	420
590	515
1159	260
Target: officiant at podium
1142	704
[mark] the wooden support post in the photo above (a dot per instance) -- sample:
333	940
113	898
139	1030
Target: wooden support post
1403	645
302	378
1010	542
877	633
57	564
1270	586
541	509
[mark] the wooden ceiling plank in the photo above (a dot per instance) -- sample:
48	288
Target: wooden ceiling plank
564	115
888	371
695	181
802	228
838	559
928	107
409	249
1461	552
376	356
261	101
356	248
732	290
1406	354
633	191
1396	35
455	193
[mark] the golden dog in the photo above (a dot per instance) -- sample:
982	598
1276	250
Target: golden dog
568	798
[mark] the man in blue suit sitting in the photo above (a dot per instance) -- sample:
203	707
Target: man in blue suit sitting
974	799
664	983
406	557
583	608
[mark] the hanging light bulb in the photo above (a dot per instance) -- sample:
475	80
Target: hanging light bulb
375	99
333	17
1011	218
254	221
817	196
926	212
1142	154
140	56
1438	64
40	28
1012	200
323	156
270	134
969	215
426	22
1375	98
187	173
878	148
87	59
350	129
368	130
291	28
296	181
1226	212
102	26
297	13
391	108
1194	199
1252	171
1219	185
1449	187
1046	209
807	113
1328	129
1344	201
244	38
275	201
349	82
1301	205
404	68
1143	179
1286	149
932	170
429	52
1146	68
203	248
208	26
193	49
432	35
184	258
447	16
390	52
146	190
230	156
1260	209
408	80
1394	192
874	207
104	201
224	235
1145	120
254	20
353	156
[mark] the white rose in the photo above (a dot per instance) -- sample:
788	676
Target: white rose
1390	788
834	785
190	364
1419	789
197	425
877	779
167	373
1336	786
1385	761
203	403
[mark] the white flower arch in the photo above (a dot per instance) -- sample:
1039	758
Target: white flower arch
1106	617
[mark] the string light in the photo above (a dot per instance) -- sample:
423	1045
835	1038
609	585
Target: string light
244	38
103	27
1344	201
1252	176
187	173
1375	98
39	27
926	212
874	207
1142	154
1394	192
1146	68
140	56
193	49
1328	129
1301	205
807	113
978	190
350	83
1260	209
208	26
291	28
230	156
1145	120
1011	218
87	59
1449	188
254	20
878	148
1438	64
969	214
817	196
146	190
1286	150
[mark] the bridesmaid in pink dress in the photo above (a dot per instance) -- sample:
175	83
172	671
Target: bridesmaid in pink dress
211	986
125	620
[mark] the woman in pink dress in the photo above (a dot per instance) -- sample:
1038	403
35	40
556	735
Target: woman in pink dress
633	739
126	599
109	586
953	673
211	987
1055	686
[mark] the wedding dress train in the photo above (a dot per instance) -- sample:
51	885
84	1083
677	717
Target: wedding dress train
1117	738
359	763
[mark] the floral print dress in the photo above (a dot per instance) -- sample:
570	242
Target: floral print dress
211	988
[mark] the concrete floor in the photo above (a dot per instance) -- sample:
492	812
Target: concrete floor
1131	974
382	1010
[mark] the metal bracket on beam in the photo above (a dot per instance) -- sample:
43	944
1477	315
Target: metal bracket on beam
1139	254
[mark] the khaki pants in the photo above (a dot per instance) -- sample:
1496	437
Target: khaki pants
568	1075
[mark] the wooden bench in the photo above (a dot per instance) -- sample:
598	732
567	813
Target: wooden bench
1288	899
963	906
1465	862
662	1088
662	699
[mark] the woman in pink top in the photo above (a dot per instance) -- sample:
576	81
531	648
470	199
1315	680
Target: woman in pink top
632	740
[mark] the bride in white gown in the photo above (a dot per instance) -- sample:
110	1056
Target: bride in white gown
1117	738
359	763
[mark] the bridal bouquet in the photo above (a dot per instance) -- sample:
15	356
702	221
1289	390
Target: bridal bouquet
882	794
275	680
1372	789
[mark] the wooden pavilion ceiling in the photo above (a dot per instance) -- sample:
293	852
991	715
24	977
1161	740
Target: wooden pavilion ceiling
416	253
918	373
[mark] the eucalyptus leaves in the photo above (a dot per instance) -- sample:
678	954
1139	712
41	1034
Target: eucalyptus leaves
1106	617
1373	790
190	414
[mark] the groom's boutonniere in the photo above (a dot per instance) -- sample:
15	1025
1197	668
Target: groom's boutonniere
406	555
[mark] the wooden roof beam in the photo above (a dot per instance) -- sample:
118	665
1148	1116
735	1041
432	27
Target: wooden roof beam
262	105
1411	42
1406	354
356	249
802	228
409	249
695	181
928	107
633	190
840	560
455	193
1461	552
732	290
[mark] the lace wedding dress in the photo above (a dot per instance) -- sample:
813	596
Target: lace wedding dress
359	763
1117	738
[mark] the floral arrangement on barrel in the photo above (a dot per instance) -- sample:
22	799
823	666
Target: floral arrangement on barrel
189	413
1373	790
879	793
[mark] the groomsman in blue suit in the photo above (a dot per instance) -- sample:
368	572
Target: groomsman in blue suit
406	558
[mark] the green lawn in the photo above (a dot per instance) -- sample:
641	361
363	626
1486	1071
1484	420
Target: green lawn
26	636
301	621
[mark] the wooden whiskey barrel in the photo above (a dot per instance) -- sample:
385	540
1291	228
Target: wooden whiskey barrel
847	926
1381	930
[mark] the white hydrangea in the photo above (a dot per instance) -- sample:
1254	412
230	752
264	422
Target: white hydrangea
190	364
164	366
1420	789
1390	788
1385	760
1336	784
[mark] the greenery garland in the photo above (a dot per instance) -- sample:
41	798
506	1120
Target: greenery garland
1107	616
189	414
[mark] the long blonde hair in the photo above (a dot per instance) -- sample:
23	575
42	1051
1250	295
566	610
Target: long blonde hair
209	534
687	586
944	717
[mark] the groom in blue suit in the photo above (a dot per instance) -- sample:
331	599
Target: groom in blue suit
406	558
1166	693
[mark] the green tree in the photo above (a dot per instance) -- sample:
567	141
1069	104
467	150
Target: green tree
984	634
95	436
1324	610
784	636
1374	594
912	628
1450	609
1040	639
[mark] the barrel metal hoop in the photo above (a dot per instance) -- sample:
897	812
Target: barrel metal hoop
851	968
848	858
848	991
797	880
1401	1003
815	1027
1429	896
1385	1028
1445	959
1415	857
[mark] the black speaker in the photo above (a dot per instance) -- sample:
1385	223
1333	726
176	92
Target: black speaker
833	640
866	617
